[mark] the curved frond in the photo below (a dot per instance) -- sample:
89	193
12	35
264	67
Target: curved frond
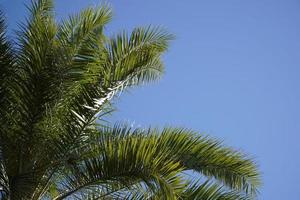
211	191
128	162
137	54
157	159
233	168
209	157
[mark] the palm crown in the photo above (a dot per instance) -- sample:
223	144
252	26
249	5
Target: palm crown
56	82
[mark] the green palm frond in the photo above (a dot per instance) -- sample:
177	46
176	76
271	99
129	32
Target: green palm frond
7	77
6	60
4	180
128	161
138	53
153	158
209	157
211	191
80	38
78	109
233	168
87	98
30	94
57	83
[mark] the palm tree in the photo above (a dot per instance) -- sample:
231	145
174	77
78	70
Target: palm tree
56	82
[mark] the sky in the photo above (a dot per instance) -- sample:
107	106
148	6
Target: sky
233	72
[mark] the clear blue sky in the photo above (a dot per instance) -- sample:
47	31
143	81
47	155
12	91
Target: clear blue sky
233	72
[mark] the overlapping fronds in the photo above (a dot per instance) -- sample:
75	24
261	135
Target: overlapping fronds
7	76
6	60
155	161
58	80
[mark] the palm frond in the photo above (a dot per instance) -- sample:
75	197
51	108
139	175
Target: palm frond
6	58
30	94
209	190
4	180
7	77
138	54
156	159
208	157
233	168
87	97
80	38
128	162
56	84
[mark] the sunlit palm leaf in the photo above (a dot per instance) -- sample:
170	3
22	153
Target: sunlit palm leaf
156	159
58	80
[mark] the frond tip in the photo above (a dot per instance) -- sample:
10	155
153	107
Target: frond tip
138	54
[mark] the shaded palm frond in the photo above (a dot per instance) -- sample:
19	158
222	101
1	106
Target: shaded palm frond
31	93
6	60
4	180
7	77
209	190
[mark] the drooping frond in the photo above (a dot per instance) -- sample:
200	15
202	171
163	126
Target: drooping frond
128	161
211	158
211	191
232	168
155	159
